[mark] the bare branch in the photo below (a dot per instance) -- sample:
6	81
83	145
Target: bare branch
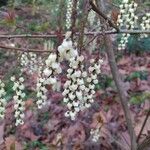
103	15
83	23
144	123
74	17
121	92
77	34
22	49
117	78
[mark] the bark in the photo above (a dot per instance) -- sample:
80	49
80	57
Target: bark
116	75
121	92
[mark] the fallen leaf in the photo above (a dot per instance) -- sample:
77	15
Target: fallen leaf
12	144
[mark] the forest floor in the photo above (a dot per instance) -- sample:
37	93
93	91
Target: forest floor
48	128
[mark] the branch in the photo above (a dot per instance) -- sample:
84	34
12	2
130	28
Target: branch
77	34
90	41
22	49
83	23
119	85
117	78
145	144
73	17
29	36
146	118
103	15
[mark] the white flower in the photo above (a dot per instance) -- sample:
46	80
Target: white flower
15	97
70	71
67	114
51	58
66	50
89	79
82	87
65	100
77	109
21	87
72	115
65	92
77	73
95	81
87	105
91	69
69	105
71	96
13	78
79	94
73	87
80	81
47	72
80	58
84	74
21	79
52	80
75	104
55	65
94	76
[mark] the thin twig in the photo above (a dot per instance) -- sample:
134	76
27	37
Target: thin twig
144	123
77	34
22	49
73	17
90	41
83	23
103	15
117	79
117	142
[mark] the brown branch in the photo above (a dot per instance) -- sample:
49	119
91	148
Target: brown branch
144	123
117	78
120	88
77	34
22	49
103	15
29	36
74	17
145	144
83	23
90	41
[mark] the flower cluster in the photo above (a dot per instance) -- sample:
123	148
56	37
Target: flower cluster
123	41
24	61
41	92
127	19
95	134
2	99
52	69
19	96
31	62
91	17
66	49
145	24
79	89
73	87
69	13
91	81
48	77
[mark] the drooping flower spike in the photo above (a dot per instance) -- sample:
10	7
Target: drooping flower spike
2	99
126	20
69	13
19	103
145	24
